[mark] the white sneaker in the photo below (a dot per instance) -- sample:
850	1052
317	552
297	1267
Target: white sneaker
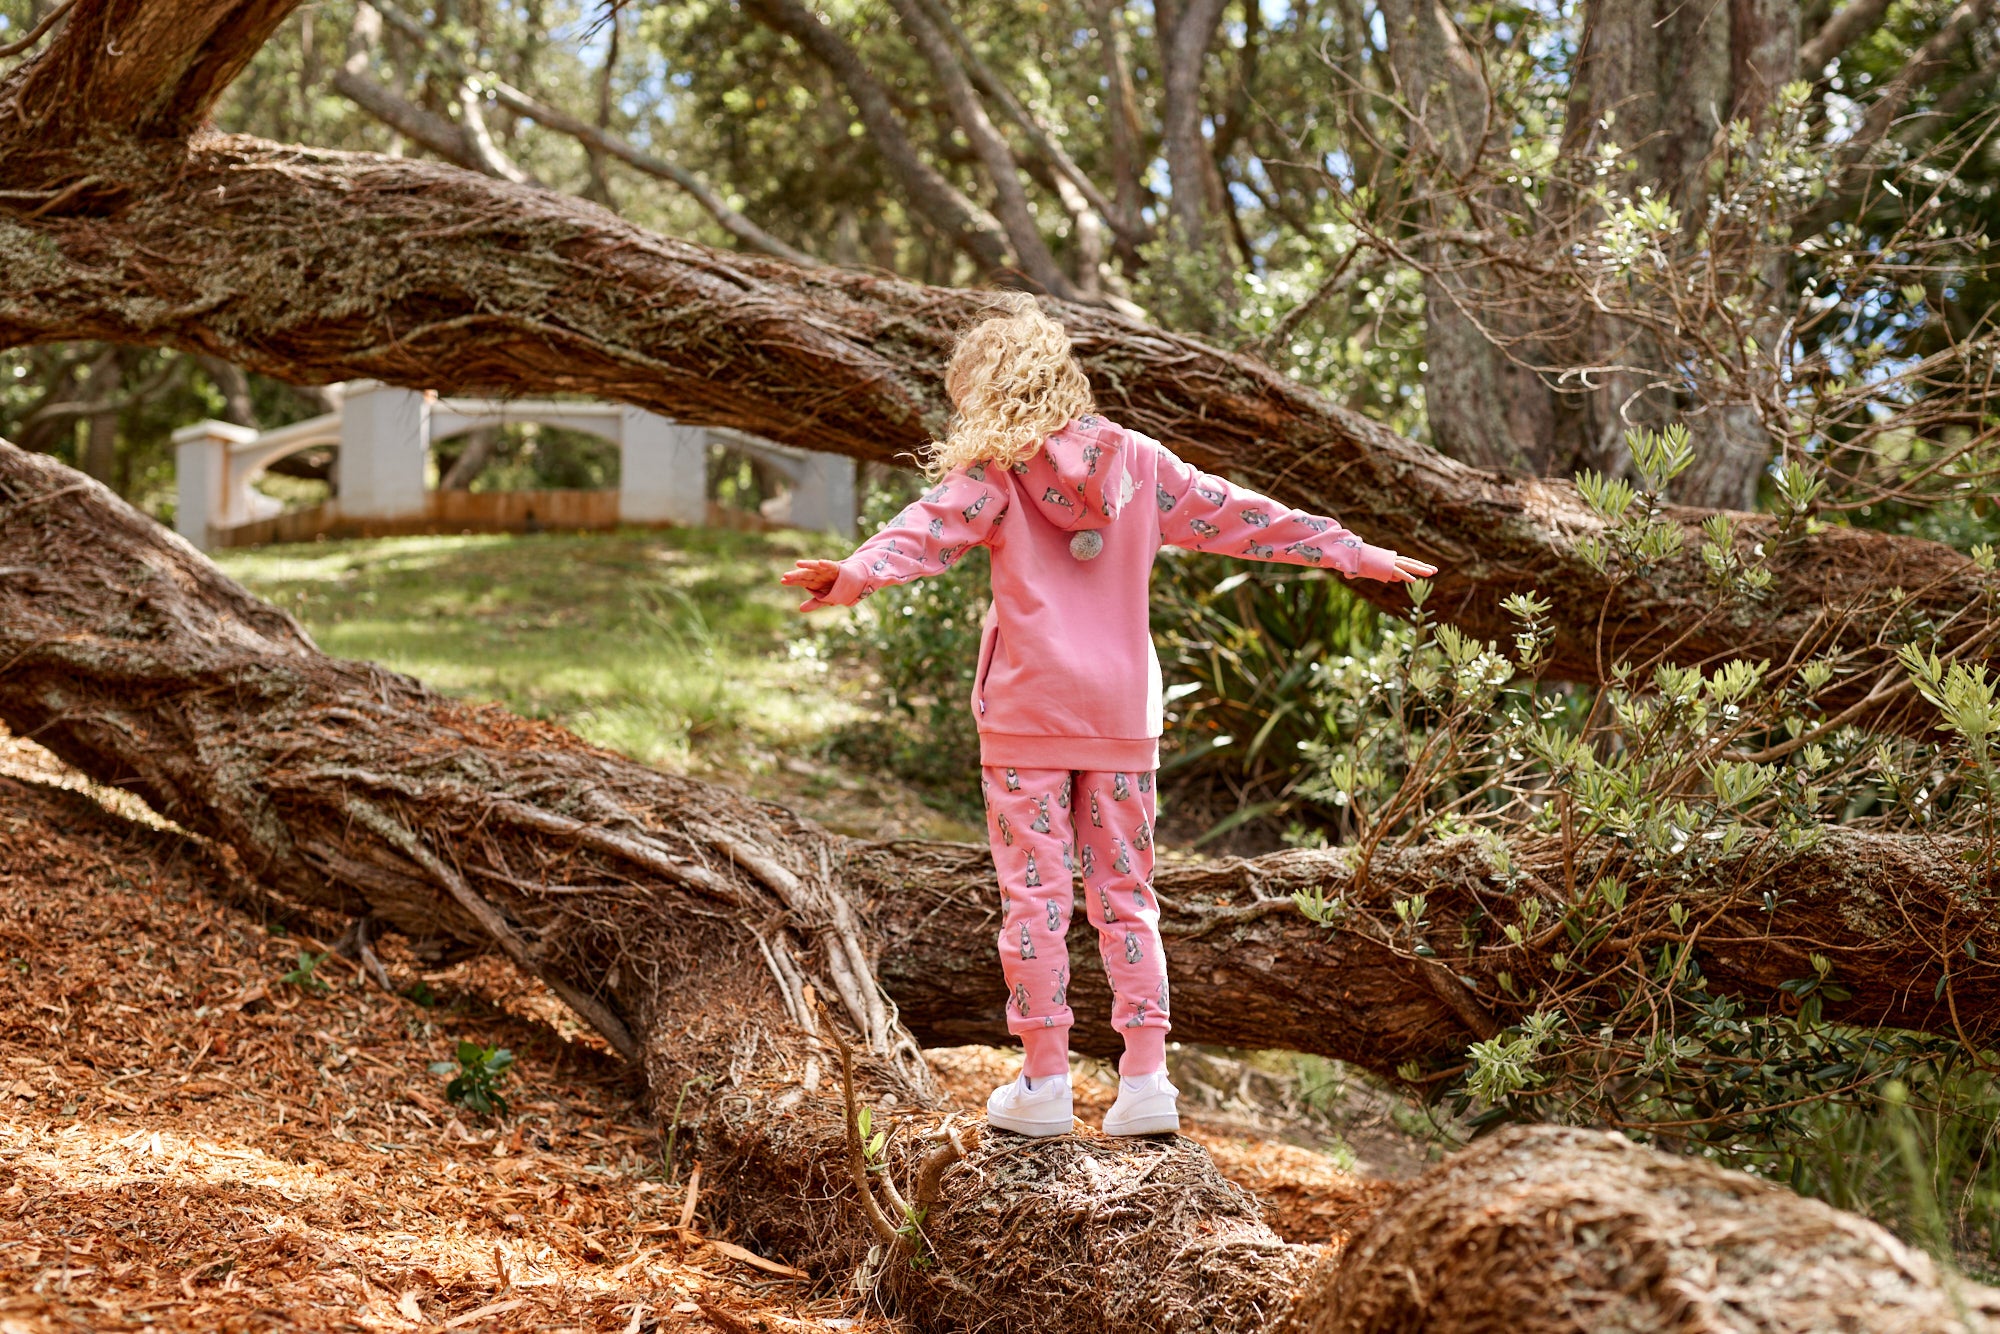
1045	1109
1146	1106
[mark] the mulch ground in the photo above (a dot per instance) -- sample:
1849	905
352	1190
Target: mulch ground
188	1141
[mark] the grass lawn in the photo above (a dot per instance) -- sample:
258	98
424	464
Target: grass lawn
675	647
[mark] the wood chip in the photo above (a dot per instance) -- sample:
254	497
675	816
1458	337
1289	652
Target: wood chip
491	1308
754	1260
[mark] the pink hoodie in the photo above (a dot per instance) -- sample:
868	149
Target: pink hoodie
1073	532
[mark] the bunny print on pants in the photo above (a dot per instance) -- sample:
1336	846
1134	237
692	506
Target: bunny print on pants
1031	835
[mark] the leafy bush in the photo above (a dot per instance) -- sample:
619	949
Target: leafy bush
1248	654
1616	823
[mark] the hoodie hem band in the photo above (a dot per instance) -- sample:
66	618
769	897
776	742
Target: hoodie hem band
1095	753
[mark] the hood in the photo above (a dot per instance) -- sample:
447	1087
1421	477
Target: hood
1080	478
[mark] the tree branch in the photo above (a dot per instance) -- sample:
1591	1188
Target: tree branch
36	33
1131	232
418	124
131	657
312	265
1185	52
1848	25
964	223
1011	201
601	140
139	67
1250	970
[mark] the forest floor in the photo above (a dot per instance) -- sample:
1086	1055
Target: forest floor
189	1141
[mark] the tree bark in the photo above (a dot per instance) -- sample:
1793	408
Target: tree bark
1651	76
1184	51
1890	912
1500	1238
99	455
691	927
1121	115
137	69
234	386
481	444
694	928
1483	406
307	265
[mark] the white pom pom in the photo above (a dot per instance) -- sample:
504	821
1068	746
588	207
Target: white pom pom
1086	544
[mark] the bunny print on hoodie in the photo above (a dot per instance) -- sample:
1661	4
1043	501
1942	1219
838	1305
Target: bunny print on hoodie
1067	675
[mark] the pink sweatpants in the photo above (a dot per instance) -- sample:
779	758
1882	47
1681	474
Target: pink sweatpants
1045	825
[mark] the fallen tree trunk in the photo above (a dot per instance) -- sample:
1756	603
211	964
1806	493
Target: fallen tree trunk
693	927
1889	912
1532	1250
309	265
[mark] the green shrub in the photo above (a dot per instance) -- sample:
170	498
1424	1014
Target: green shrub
1255	660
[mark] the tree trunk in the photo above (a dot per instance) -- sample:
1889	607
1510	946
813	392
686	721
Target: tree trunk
480	445
100	425
1010	199
1504	1239
307	265
958	219
693	928
1651	76
1890	912
234	386
1483	406
1184	51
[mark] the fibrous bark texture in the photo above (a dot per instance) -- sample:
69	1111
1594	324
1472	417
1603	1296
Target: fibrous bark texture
692	927
698	931
1537	1255
314	265
1889	912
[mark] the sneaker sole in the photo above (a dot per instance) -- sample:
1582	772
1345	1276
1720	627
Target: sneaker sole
1033	1129
1145	1125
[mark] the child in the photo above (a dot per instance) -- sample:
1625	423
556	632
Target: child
1067	691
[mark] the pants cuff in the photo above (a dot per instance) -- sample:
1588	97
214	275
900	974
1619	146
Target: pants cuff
1048	1052
1145	1052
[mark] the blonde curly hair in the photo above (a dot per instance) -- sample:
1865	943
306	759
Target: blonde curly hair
1013	381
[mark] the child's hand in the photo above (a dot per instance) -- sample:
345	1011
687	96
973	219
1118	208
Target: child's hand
1410	569
817	577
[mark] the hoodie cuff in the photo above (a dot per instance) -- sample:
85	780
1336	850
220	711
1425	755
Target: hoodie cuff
849	588
1377	563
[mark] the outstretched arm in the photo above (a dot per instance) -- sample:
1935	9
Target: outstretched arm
958	513
1203	512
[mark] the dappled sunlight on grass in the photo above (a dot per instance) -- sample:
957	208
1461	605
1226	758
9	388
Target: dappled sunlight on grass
666	646
677	648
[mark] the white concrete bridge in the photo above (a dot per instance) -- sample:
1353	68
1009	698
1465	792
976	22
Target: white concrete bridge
385	435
